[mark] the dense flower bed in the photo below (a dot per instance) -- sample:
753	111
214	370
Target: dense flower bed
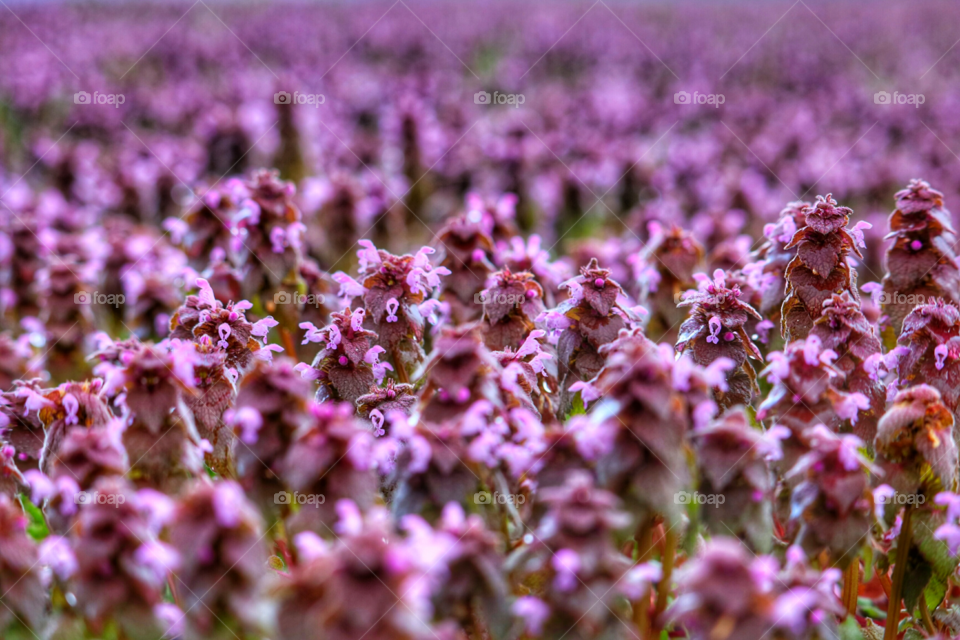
467	323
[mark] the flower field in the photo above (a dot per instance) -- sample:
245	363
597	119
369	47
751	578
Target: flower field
479	321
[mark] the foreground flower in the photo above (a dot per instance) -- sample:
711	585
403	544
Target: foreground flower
24	594
219	537
734	459
362	585
831	509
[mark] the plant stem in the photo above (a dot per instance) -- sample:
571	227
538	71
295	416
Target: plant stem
398	365
925	616
899	571
173	591
667	561
641	607
288	345
851	586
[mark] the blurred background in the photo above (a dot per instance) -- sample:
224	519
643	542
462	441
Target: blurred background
600	118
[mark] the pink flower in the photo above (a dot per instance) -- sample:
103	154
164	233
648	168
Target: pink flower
714	330
534	613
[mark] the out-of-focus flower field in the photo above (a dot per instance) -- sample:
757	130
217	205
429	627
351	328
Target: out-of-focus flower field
479	321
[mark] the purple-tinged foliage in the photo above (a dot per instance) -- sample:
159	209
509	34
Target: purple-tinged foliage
573	550
392	289
511	304
203	316
330	456
587	320
273	405
459	372
72	405
714	330
773	258
921	264
159	436
844	329
750	597
349	362
916	443
930	344
364	584
734	461
220	540
807	392
637	432
465	250
665	270
121	567
24	594
832	505
821	267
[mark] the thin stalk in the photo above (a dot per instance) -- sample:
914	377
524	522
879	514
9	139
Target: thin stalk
398	365
899	571
667	561
288	345
173	591
925	616
641	607
851	586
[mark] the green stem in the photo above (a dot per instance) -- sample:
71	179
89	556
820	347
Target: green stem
667	560
641	613
925	616
899	571
851	586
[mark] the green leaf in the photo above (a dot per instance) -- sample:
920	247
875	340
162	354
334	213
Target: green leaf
915	580
869	609
850	629
935	552
37	527
576	406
